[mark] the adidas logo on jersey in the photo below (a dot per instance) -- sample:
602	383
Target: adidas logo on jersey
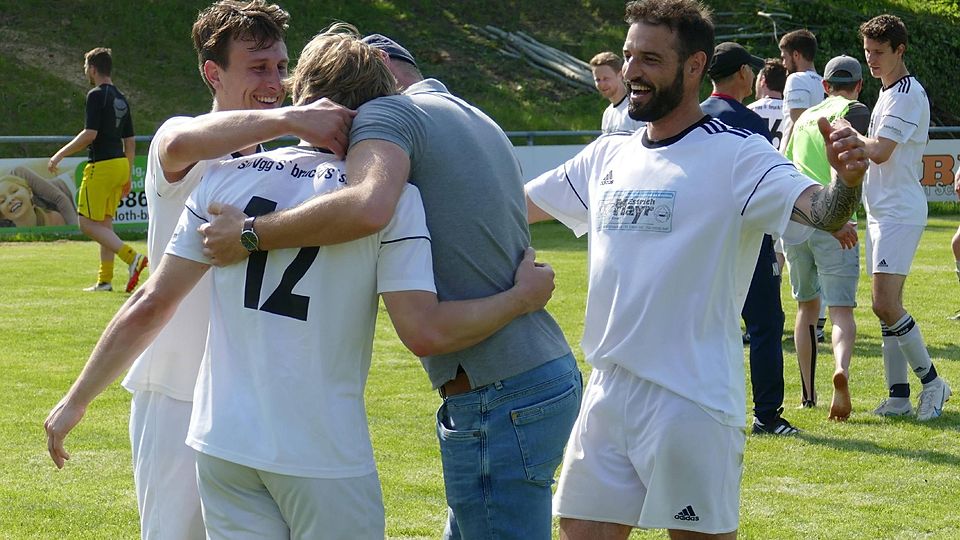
882	263
687	514
607	180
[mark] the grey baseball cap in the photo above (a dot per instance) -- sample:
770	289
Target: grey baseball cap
392	48
843	69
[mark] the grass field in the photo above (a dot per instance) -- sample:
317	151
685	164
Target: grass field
869	478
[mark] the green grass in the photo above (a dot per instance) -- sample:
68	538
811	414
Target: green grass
41	52
869	478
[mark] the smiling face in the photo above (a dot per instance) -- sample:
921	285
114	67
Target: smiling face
884	62
252	79
653	71
608	82
15	199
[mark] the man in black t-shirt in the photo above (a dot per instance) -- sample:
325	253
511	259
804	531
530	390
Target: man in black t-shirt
108	133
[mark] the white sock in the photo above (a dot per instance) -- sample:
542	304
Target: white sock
912	346
895	367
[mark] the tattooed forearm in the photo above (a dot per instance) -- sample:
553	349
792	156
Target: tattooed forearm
830	207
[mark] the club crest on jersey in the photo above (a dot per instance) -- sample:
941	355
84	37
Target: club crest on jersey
636	210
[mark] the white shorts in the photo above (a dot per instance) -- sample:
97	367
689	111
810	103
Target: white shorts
164	468
242	503
643	456
891	247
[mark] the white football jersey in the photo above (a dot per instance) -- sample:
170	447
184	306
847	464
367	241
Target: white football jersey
675	231
803	90
170	363
891	190
291	330
616	118
771	110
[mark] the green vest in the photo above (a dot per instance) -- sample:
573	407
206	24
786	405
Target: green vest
806	148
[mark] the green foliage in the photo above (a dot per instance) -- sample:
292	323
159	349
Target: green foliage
932	29
867	478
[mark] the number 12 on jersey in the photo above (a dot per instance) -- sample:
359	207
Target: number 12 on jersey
282	301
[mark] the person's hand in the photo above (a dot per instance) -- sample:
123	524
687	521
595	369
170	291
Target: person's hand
323	123
53	165
847	235
533	282
845	150
125	190
221	236
61	420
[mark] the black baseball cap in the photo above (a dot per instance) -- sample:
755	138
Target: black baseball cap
727	59
392	48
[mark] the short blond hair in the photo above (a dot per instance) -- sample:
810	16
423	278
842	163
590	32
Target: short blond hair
607	58
336	65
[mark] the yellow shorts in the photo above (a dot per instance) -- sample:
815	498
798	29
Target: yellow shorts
101	187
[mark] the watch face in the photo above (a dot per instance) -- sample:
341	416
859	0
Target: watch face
249	240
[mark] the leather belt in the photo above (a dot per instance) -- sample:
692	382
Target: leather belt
457	385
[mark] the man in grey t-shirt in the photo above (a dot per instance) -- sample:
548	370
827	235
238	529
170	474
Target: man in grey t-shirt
500	444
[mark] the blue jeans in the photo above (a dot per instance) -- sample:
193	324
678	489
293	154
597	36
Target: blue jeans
500	446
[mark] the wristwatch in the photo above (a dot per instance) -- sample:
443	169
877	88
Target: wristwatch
248	237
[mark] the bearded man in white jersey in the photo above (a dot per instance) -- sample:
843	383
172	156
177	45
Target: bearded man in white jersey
660	437
896	215
242	59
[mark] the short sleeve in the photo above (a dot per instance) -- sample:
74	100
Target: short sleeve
160	184
902	118
405	261
393	119
859	117
564	192
766	186
127	128
187	242
94	116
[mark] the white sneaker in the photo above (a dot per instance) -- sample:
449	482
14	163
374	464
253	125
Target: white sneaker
99	287
932	398
894	407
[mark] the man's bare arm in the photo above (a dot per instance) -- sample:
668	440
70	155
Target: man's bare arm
428	327
377	172
830	207
322	123
81	141
880	149
134	326
535	214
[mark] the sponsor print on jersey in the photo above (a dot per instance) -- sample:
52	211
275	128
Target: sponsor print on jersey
636	210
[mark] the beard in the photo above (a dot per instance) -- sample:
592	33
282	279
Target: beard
662	100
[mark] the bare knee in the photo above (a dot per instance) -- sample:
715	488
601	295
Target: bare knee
676	534
580	529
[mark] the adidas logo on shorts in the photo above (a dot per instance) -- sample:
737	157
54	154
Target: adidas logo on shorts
687	514
882	263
